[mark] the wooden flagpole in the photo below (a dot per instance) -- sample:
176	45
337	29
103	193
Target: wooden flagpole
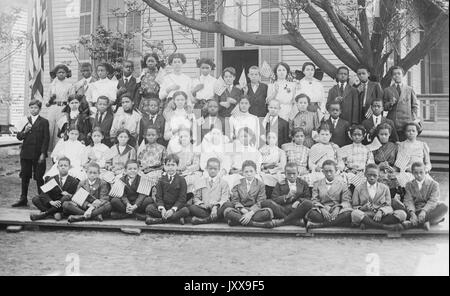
50	41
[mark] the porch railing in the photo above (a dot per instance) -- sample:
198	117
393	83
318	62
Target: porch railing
434	107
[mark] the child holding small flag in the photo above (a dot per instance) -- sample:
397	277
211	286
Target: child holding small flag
203	86
296	152
130	194
368	91
55	192
120	153
256	92
91	201
373	121
151	156
230	95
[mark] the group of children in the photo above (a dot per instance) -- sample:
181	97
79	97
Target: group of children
166	148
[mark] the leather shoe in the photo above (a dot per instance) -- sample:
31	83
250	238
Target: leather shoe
152	221
22	202
75	218
40	216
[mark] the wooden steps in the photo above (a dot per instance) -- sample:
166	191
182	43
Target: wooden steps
20	217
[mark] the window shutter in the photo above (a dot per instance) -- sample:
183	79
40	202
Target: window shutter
270	22
207	40
271	55
270	4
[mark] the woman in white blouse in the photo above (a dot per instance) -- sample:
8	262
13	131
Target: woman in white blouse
312	87
283	90
203	86
103	86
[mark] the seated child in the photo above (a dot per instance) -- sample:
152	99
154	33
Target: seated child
152	118
338	126
371	123
119	154
372	204
273	161
291	199
72	149
242	118
307	120
212	119
356	156
151	156
296	152
128	197
96	204
212	197
50	201
179	117
331	200
128	119
422	199
213	146
246	199
97	151
171	193
103	118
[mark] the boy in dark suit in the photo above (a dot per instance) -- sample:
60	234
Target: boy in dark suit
103	119
338	126
256	93
246	198
128	199
127	84
274	123
231	96
35	136
368	91
347	95
291	199
50	202
212	119
371	123
401	102
152	118
171	190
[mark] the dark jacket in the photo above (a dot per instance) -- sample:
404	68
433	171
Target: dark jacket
132	87
159	124
339	135
172	194
374	91
105	126
280	126
235	93
281	191
35	142
130	194
219	123
350	105
70	186
257	100
372	133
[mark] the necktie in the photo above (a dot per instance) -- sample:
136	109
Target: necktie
364	94
151	119
125	81
376	121
100	118
211	183
61	181
170	179
334	123
399	89
85	84
341	89
268	126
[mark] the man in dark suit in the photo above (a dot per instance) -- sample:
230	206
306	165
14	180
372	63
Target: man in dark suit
256	93
127	84
274	123
152	118
171	190
347	95
371	123
35	136
338	126
103	119
368	91
212	119
50	203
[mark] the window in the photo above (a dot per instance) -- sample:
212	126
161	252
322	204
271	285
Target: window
207	40
270	17
435	69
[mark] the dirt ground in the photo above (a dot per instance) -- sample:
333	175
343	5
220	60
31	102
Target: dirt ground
113	253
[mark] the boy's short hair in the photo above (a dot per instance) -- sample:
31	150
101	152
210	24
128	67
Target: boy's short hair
248	163
126	95
230	70
334	102
361	67
378	100
417	164
329	162
121	131
93	165
103	98
384	126
85	65
253	68
177	55
213	159
296	130
131	161
172	158
343	68
153	98
291	165
128	61
355	127
35	102
324	127
371	166
396	68
64	158
298	97
152	127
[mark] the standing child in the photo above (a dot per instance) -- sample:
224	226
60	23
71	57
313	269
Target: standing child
103	86
176	80
339	127
283	90
129	199
372	204
313	88
171	193
75	117
103	119
120	153
296	152
212	196
413	149
82	85
371	123
152	118
401	102
368	91
347	96
422	199
64	186
212	119
232	94
151	156
291	199
203	90
243	119
128	84
331	200
35	137
307	120
256	93
274	123
273	161
96	204
246	198
128	119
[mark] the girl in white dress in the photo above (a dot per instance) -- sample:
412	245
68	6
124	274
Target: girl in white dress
283	90
273	161
175	81
102	87
312	87
97	151
72	149
243	118
203	86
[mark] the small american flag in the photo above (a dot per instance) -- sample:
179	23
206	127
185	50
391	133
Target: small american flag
357	179
145	186
266	71
117	189
402	161
243	79
108	176
369	113
219	86
80	196
49	185
315	156
375	145
404	178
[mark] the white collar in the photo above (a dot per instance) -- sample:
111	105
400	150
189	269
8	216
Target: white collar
379	116
329	182
213	179
128	78
333	120
249	182
420	182
344	84
91	183
33	118
371	186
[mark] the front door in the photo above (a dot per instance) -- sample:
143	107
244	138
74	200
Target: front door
240	59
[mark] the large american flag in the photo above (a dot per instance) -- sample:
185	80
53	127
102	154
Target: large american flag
38	49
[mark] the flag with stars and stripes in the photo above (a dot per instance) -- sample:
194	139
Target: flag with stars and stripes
117	189
145	186
38	49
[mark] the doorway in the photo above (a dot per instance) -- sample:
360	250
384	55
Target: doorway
239	59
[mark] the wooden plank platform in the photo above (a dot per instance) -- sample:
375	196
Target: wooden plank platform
11	216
